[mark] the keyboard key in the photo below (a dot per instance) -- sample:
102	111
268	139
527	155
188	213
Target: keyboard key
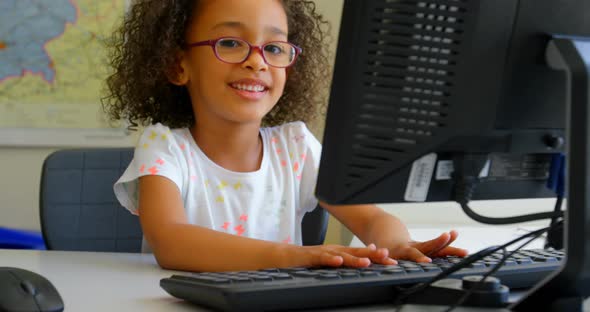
323	271
305	274
349	274
510	262
369	273
546	259
328	276
261	278
414	270
476	265
280	276
394	272
289	270
525	261
432	269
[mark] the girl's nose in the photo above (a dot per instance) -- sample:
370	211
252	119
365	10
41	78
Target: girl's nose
255	61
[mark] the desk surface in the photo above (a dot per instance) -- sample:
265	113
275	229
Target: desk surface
93	281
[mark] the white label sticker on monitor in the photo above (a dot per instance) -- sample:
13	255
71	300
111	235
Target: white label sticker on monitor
419	180
445	168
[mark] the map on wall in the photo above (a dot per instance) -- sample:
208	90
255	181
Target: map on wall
53	62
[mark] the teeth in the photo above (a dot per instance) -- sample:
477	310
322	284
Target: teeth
251	88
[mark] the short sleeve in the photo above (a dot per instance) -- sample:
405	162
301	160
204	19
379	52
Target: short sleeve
309	174
156	153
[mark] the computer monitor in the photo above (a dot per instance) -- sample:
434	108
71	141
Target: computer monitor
421	86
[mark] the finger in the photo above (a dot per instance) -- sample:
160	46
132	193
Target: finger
452	251
370	251
433	245
384	261
353	261
352	256
328	259
376	255
453	236
410	253
381	256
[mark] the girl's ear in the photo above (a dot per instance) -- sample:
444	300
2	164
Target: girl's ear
178	74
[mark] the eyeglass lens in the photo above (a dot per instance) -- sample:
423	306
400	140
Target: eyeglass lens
231	50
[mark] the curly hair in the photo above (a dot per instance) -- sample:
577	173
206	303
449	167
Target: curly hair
139	91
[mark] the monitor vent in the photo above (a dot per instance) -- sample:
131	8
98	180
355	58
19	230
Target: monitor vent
408	78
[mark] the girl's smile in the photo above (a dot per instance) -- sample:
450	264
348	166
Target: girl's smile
250	89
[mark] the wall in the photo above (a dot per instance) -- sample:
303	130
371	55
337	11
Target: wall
19	186
332	11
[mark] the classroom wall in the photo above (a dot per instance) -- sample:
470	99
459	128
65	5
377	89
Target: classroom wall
19	186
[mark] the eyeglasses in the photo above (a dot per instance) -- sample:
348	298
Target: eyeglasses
232	50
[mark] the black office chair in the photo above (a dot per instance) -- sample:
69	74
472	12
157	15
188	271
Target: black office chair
79	211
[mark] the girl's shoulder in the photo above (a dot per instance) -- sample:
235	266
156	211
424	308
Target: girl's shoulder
164	132
289	128
159	138
292	134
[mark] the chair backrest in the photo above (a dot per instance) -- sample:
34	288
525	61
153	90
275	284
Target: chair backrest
79	211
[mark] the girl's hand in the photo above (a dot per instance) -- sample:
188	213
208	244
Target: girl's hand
422	251
337	255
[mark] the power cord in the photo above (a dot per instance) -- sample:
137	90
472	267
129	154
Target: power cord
466	178
405	293
556	182
555	234
492	271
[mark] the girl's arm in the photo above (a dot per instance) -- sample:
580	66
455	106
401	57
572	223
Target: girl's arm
372	225
180	246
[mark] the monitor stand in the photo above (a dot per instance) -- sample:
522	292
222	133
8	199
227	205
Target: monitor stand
566	289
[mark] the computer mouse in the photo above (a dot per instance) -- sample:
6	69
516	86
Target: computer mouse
23	290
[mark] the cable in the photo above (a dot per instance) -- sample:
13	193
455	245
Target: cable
555	234
492	271
465	262
509	220
466	178
556	182
460	265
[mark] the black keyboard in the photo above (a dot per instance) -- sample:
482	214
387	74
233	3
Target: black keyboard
304	288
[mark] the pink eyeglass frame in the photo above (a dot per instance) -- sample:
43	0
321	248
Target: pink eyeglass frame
213	42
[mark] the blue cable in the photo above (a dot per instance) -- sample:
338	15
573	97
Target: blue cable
556	183
556	179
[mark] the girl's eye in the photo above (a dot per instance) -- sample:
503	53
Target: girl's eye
230	43
274	49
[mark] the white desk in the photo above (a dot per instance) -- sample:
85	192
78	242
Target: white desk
93	281
472	238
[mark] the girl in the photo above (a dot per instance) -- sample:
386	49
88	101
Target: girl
213	190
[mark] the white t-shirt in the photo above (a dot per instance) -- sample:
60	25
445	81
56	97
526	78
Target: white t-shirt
266	204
